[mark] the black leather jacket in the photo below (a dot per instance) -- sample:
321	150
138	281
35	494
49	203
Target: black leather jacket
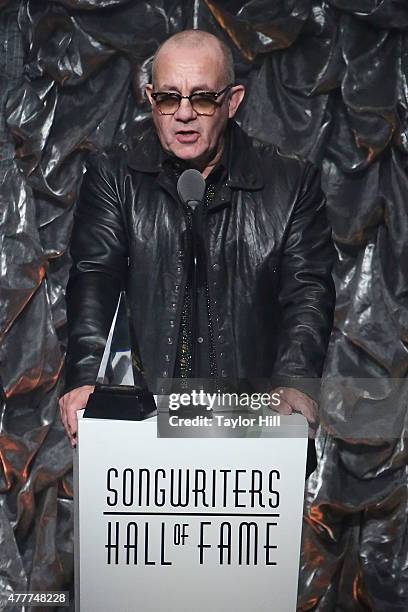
269	255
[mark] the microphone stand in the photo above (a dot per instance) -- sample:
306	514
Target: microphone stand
195	239
191	190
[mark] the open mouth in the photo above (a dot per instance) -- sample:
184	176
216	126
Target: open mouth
187	136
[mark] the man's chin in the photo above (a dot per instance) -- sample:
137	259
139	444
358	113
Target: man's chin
187	152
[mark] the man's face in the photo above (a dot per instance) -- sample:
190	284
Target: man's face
187	135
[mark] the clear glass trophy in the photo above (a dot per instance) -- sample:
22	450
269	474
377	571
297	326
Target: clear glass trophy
121	390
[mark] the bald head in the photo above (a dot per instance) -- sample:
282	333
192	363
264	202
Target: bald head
197	39
193	96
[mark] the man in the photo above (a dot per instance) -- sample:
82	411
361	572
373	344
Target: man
264	300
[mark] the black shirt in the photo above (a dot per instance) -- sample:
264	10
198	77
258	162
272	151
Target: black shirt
195	353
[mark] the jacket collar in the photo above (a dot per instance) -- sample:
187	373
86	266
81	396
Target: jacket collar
244	172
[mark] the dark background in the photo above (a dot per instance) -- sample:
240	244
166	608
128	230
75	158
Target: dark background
327	80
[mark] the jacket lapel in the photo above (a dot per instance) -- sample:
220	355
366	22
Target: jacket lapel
244	162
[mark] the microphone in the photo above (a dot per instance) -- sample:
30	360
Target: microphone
191	188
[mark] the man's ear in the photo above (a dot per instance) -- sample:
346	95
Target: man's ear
236	97
148	92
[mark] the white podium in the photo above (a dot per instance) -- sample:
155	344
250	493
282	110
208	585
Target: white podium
187	524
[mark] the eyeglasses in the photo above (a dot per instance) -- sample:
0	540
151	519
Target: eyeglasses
203	102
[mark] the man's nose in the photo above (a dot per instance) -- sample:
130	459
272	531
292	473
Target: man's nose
185	111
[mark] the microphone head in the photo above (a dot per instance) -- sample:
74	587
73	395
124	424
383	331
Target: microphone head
191	187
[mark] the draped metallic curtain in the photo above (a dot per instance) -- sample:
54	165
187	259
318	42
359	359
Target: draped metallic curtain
325	79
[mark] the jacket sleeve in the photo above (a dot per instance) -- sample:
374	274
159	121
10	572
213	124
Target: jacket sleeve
306	290
98	272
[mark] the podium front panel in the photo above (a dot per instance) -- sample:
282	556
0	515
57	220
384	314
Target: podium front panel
186	525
